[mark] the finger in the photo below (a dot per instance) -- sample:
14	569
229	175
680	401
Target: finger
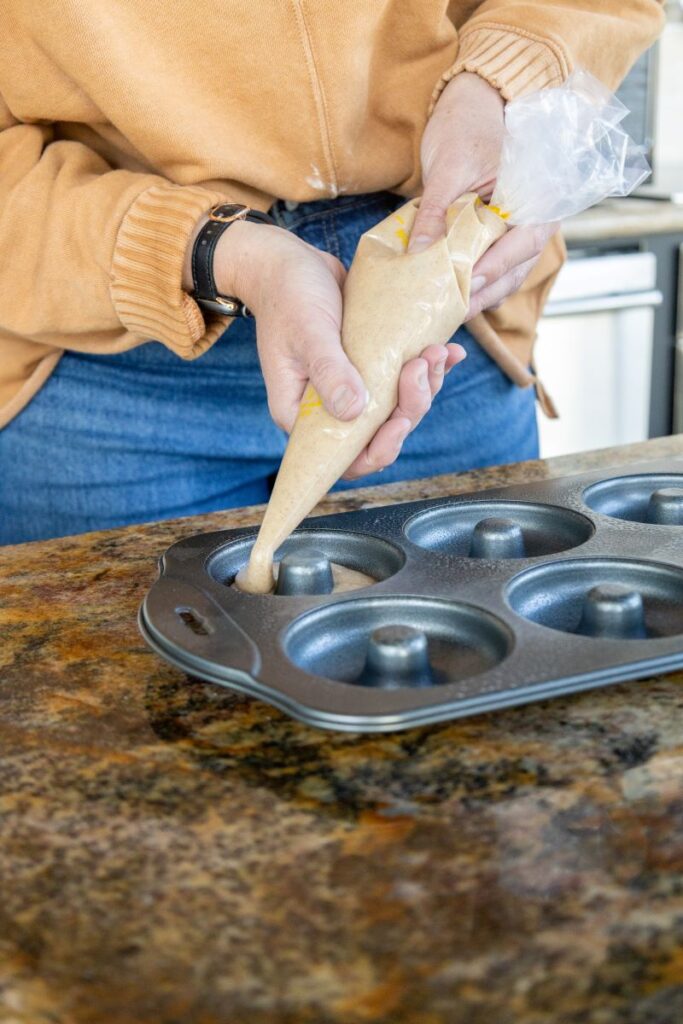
492	296
285	387
435	356
301	350
518	246
414	392
384	449
456	354
334	377
429	223
441	358
284	376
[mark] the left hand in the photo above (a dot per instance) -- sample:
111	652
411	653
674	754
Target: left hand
460	153
295	291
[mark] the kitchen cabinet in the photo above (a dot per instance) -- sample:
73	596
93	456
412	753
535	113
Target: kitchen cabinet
607	348
594	351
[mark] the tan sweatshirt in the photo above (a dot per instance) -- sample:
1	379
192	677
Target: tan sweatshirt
122	122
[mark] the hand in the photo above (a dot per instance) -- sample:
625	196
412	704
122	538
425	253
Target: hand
504	268
295	293
460	152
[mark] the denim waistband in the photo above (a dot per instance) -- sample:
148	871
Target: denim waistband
291	216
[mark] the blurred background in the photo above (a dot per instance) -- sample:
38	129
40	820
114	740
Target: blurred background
610	346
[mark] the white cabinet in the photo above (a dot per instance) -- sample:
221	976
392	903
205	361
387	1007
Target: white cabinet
594	352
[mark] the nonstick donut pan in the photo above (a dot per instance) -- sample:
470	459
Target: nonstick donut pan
476	602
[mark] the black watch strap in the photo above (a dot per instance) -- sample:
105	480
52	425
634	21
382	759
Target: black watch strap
203	282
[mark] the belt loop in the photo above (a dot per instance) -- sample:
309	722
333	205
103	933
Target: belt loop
278	214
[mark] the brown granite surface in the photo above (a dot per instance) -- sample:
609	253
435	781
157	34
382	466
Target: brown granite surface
174	854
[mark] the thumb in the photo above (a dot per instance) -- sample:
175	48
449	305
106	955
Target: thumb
334	377
430	221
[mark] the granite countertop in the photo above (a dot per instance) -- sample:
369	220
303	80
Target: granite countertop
171	853
624	218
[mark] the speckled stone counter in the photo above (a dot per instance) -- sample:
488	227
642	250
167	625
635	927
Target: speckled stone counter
171	853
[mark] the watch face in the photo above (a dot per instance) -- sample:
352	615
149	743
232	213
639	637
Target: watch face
227	212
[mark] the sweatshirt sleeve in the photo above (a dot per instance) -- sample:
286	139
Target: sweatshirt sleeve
523	45
86	250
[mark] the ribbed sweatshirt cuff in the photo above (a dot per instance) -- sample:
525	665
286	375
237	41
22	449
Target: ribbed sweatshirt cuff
514	62
147	269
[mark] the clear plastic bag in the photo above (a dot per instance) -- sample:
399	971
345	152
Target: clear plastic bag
564	150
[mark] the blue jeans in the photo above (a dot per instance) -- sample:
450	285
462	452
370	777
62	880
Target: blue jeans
143	435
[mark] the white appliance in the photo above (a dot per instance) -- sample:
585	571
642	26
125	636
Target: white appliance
666	141
678	366
594	352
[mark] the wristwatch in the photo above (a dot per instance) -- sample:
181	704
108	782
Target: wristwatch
204	291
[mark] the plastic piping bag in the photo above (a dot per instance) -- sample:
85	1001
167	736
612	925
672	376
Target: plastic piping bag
395	304
563	151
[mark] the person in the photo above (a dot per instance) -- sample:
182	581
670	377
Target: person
123	396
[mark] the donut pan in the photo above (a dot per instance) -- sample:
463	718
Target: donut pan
479	601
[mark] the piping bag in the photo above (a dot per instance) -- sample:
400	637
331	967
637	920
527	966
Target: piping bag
563	150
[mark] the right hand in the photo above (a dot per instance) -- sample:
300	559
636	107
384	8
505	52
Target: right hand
295	293
460	151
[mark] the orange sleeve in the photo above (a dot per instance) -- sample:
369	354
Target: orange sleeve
86	250
522	45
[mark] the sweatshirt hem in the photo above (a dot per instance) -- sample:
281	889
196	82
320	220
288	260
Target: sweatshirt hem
29	388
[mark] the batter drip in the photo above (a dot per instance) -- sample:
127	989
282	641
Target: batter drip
345	579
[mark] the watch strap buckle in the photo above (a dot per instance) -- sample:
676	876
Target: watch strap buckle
205	292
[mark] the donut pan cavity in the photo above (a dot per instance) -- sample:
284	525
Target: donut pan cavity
456	606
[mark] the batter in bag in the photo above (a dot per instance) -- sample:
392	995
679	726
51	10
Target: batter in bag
395	304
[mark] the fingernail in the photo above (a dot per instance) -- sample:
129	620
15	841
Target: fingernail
477	284
423	382
440	367
394	454
419	242
342	399
407	427
453	365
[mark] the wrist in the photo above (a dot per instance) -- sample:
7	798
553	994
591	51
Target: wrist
238	259
468	83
